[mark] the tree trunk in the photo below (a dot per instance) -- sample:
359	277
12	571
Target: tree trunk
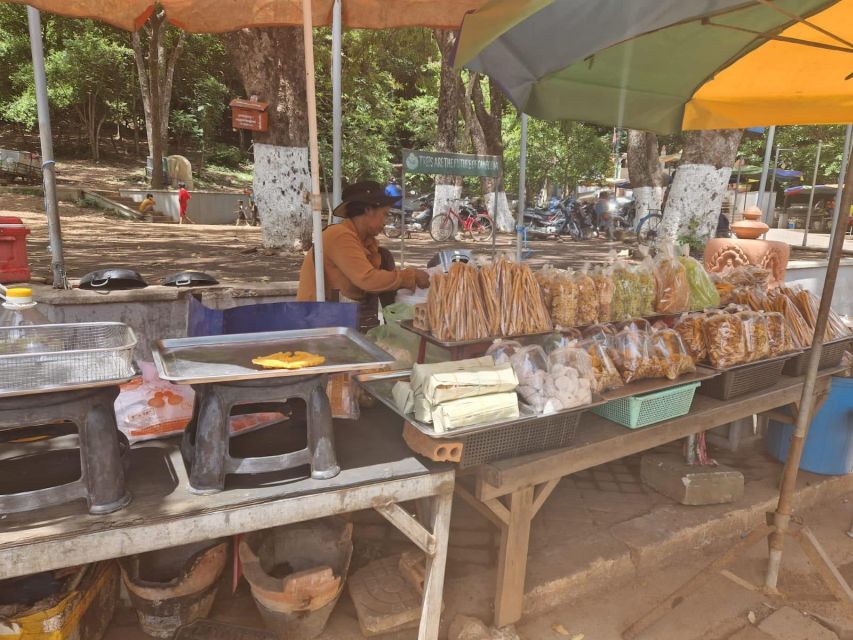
695	197
156	74
451	93
271	64
484	126
644	171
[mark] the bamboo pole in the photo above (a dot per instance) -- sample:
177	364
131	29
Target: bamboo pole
313	150
782	517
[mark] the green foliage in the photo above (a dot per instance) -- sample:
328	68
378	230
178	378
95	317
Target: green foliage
559	154
802	140
225	155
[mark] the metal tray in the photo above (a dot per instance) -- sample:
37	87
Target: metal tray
64	357
229	357
379	385
408	325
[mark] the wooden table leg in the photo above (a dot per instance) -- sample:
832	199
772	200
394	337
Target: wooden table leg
435	564
512	560
422	350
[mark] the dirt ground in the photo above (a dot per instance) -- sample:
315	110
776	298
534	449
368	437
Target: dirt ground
231	254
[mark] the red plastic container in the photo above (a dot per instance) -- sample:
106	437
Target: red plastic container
14	265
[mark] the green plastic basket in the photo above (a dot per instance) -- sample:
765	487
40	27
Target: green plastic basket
641	411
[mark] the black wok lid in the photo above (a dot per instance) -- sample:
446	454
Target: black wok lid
113	279
189	279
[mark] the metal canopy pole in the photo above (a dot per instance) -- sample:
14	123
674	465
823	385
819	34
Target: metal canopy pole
337	117
314	152
845	158
811	195
782	517
765	168
48	166
771	199
522	187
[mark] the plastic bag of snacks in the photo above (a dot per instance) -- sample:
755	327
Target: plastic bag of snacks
587	296
626	292
604	288
629	352
691	328
545	279
669	355
503	350
601	333
672	290
605	374
569	381
564	300
647	288
558	340
703	293
531	368
724	339
778	334
808	304
755	335
801	334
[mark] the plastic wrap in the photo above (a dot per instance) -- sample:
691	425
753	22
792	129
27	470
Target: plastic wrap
634	324
523	310
546	388
557	340
808	305
801	334
629	352
604	288
626	292
668	355
672	290
601	333
724	339
647	289
503	350
755	335
691	328
703	293
587	298
564	301
605	374
778	334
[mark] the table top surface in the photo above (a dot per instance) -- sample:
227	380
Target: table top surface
370	451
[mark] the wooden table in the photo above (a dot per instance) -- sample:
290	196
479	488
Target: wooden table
510	492
377	472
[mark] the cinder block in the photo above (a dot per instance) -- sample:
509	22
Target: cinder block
439	450
688	484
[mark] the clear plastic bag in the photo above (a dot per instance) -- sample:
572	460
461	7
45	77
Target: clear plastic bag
724	339
755	334
668	356
703	293
587	298
801	334
564	300
531	368
647	289
556	341
635	324
604	288
808	305
672	290
601	333
629	351
778	334
606	375
503	350
691	328
626	292
570	380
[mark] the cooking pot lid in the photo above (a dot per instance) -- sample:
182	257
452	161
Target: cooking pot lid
189	279
112	279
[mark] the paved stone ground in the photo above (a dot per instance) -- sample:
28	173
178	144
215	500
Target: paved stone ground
604	549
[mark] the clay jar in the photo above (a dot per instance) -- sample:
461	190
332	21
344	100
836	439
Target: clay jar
751	226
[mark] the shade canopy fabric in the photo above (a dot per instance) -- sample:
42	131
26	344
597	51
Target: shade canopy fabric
667	65
216	16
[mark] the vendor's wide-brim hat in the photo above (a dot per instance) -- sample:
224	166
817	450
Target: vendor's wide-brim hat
367	192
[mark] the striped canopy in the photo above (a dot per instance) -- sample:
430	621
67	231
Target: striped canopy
667	65
216	16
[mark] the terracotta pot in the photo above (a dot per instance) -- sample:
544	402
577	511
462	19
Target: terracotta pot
751	226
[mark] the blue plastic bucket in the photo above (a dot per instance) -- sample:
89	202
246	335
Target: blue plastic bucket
829	445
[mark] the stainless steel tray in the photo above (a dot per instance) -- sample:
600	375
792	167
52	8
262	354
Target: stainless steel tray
409	325
229	357
379	385
64	357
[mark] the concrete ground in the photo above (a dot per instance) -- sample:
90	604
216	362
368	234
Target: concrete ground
794	237
603	550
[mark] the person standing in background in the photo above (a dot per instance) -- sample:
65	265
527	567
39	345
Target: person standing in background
183	200
392	190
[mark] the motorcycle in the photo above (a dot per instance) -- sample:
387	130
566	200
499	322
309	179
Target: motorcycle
562	217
415	221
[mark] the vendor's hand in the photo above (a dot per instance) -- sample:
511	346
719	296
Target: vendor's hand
421	279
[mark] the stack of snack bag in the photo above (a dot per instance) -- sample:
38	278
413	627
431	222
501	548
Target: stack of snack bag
808	304
724	339
639	353
560	296
574	352
456	394
587	298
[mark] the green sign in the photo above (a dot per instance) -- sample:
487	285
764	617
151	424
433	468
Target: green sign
450	164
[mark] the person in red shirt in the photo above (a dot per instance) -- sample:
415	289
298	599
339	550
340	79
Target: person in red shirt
183	200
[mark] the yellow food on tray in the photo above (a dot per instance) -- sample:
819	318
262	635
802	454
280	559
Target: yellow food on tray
289	360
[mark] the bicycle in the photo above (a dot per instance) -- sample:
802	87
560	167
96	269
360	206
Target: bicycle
476	224
648	226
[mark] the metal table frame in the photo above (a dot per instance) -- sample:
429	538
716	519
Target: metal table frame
509	493
142	526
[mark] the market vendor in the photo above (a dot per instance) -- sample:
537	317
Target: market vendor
355	266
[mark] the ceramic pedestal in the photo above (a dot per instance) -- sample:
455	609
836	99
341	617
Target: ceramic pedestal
721	253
